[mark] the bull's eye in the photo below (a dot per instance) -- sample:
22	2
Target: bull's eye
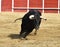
31	17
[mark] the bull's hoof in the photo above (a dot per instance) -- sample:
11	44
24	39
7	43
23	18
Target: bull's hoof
23	38
35	33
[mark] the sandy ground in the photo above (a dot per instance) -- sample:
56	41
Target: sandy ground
47	36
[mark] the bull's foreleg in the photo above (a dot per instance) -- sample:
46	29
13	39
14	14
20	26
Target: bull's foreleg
35	33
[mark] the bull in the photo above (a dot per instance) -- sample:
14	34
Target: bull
30	21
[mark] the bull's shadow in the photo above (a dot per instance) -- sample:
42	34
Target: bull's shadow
14	36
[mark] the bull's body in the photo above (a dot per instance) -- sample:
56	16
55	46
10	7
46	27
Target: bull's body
28	25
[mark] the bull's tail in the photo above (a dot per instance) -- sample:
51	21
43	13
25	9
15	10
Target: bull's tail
17	19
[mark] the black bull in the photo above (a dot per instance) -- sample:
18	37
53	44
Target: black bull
28	24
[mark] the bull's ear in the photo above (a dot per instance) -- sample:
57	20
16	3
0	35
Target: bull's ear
31	17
